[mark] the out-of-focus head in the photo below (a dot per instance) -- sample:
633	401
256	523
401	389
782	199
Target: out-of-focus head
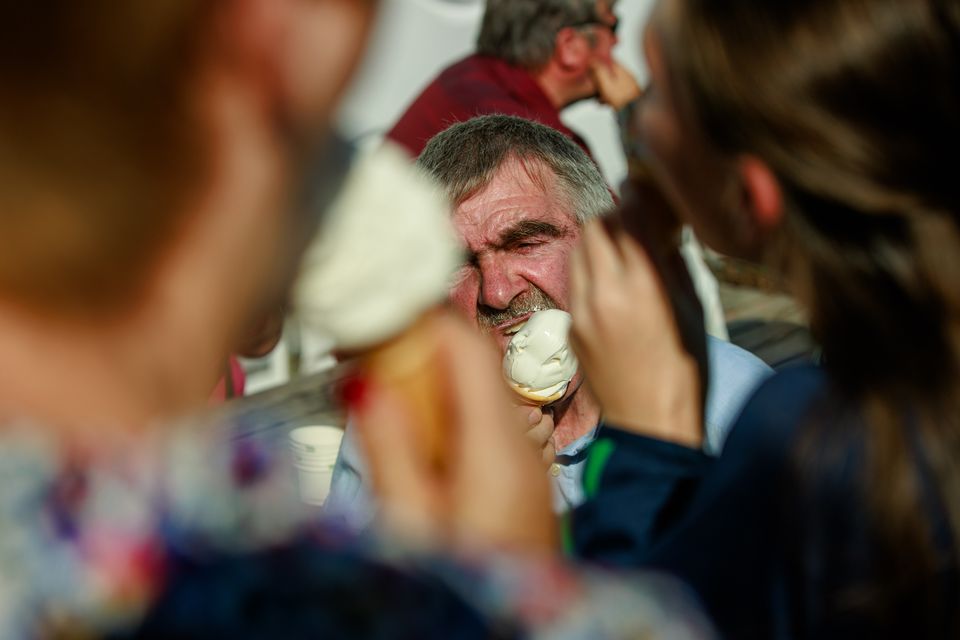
521	192
819	134
571	35
822	136
119	125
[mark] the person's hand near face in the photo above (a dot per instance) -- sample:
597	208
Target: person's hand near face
616	86
627	337
539	431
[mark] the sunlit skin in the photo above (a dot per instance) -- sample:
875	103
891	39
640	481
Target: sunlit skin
519	238
254	93
516	237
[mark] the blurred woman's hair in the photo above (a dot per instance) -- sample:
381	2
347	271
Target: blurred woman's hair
855	105
98	145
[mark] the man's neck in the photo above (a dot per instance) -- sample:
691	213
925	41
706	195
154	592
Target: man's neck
555	93
560	88
575	418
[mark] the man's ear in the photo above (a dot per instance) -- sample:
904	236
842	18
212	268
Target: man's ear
761	196
571	50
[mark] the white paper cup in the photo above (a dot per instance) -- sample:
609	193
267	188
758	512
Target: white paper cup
315	449
314	486
316	439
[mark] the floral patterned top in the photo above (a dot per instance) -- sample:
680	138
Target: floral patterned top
196	531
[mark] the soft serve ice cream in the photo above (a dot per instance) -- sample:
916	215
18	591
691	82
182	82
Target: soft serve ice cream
384	255
374	277
539	363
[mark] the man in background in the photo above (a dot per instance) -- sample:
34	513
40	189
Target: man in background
534	58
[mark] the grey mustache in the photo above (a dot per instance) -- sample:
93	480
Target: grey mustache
530	302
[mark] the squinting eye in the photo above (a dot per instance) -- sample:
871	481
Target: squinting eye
527	245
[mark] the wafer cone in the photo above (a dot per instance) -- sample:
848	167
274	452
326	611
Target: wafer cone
410	366
534	400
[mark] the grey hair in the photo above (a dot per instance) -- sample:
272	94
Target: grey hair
466	157
524	32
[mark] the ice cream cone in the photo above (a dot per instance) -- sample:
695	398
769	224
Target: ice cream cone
533	399
373	278
538	364
409	365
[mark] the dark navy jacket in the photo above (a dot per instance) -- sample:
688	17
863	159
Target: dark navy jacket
776	545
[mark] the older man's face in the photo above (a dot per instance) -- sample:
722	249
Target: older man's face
519	233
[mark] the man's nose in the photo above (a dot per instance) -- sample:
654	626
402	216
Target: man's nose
499	284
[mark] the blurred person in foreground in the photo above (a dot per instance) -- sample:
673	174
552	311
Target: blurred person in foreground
522	192
156	161
815	137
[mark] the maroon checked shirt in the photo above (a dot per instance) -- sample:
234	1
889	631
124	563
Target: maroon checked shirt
477	85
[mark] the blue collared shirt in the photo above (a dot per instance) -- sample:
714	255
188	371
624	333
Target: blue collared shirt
734	375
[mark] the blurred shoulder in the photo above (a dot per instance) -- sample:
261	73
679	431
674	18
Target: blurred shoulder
727	357
783	403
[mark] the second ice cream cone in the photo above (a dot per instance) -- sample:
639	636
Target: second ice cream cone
410	366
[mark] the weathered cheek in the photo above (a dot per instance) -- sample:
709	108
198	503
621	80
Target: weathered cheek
551	275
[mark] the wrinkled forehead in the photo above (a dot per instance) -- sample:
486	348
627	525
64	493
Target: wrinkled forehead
519	190
528	175
525	172
535	178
